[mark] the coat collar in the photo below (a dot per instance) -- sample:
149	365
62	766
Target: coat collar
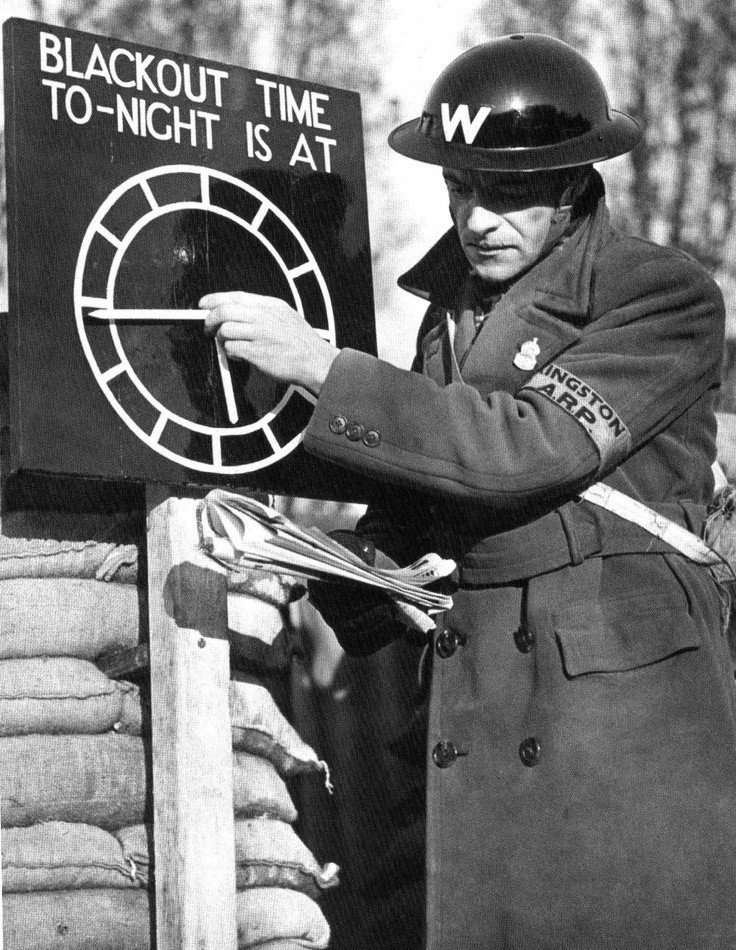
439	276
559	284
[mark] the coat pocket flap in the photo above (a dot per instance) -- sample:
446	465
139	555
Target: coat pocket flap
604	637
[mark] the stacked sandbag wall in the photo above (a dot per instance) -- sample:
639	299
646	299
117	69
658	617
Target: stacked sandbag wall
286	879
72	760
75	766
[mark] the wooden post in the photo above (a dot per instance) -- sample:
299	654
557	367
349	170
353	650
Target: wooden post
194	839
1	892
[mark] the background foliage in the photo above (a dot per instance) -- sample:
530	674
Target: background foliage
669	63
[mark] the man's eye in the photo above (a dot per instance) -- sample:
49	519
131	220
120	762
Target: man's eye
457	189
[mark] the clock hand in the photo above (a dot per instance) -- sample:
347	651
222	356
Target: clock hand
172	315
227	383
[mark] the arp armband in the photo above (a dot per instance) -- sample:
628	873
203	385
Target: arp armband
589	409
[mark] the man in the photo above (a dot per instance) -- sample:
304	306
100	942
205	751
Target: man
581	759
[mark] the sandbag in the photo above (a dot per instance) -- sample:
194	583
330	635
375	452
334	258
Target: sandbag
258	789
119	527
92	919
276	589
269	842
67	617
268	853
57	856
275	875
254	617
101	780
259	727
98	780
274	914
136	842
97	560
119	920
57	695
260	639
130	720
280	944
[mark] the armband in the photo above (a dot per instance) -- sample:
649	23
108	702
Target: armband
588	408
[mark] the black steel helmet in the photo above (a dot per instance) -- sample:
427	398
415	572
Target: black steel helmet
519	103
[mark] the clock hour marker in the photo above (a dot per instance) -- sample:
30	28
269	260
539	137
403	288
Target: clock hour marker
301	269
108	235
93	302
216	449
205	188
158	429
272	440
113	372
310	397
146	189
259	216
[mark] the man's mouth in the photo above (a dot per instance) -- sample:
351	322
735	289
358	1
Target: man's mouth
482	248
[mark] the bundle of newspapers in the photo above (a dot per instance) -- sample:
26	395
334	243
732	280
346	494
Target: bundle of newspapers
242	534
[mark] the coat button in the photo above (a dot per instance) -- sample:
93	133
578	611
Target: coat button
448	641
444	754
524	639
530	751
338	424
372	438
354	431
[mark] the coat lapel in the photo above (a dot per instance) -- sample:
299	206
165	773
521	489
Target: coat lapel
438	355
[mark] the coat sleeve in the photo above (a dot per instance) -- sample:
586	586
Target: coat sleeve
652	353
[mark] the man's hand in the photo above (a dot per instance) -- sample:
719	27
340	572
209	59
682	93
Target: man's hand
362	617
271	335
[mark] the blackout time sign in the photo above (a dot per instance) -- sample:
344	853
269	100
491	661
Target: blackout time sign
139	181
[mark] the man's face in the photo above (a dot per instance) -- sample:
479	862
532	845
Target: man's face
502	220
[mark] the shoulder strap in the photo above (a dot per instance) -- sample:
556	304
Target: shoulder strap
668	531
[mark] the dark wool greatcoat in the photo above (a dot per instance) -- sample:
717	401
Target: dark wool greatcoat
581	757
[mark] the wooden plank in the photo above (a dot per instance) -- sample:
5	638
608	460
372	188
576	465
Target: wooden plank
194	838
1	891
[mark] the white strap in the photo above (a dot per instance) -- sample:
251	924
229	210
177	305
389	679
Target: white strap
679	538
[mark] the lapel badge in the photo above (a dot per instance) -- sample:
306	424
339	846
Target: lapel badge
526	358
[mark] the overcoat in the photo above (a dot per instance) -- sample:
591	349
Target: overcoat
581	761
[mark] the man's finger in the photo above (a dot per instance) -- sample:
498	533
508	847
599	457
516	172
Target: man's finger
239	350
236	330
229	313
237	297
222	297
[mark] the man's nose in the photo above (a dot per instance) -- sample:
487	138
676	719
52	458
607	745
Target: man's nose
480	218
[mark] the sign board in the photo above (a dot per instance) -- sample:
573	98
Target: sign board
138	181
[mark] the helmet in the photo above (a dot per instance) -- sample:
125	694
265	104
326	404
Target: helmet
519	103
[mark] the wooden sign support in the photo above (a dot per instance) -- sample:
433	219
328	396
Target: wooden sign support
1	900
194	839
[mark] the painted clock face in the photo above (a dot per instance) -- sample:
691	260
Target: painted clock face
157	244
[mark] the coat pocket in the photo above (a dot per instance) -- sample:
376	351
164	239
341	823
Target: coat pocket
624	634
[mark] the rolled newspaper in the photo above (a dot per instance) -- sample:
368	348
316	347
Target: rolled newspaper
242	534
